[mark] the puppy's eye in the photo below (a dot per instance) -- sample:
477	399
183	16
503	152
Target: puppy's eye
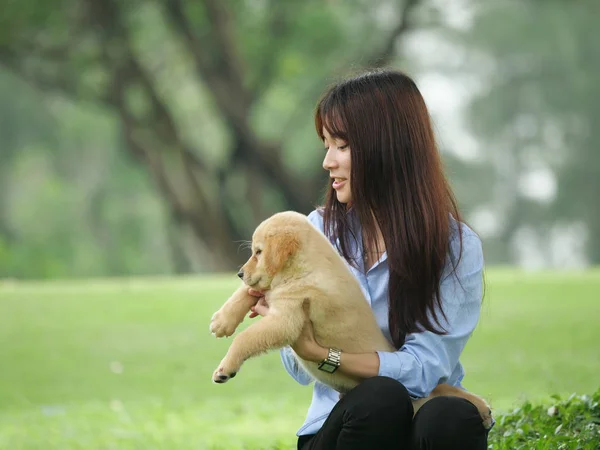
258	252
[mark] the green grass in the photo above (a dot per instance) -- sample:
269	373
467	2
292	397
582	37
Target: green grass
569	424
126	364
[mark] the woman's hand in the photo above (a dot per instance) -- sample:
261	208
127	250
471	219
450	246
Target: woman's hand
261	308
307	347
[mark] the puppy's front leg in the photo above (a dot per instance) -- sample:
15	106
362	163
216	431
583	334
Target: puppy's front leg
232	313
273	331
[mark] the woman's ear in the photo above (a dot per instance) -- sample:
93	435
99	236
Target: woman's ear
279	247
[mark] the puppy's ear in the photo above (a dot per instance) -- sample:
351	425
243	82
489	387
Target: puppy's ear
280	247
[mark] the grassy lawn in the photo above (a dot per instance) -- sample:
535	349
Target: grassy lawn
126	364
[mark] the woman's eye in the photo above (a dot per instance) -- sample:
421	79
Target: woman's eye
343	147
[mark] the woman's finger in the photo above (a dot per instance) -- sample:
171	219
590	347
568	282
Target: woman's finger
261	307
255	293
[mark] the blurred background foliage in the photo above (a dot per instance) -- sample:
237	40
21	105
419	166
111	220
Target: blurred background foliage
148	137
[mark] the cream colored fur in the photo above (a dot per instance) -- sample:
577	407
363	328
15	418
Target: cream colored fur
304	277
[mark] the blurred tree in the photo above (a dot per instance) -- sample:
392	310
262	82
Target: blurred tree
210	96
71	204
535	109
15	111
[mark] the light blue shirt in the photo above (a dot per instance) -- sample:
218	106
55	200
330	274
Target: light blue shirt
426	359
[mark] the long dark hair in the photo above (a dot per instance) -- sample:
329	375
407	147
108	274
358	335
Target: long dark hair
398	183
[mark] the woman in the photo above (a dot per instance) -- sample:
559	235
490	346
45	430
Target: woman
392	215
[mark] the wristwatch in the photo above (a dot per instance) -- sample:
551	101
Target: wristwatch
332	362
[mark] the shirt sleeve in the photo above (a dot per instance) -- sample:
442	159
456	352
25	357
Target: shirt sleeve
293	368
427	359
316	218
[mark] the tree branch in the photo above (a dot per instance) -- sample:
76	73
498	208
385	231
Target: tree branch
386	54
280	18
63	83
205	231
228	89
230	96
207	218
227	55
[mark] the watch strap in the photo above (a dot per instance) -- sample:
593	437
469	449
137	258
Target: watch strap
334	356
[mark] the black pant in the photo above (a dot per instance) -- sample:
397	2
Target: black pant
378	414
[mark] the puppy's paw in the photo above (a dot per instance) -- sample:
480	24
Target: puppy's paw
487	418
485	412
224	373
220	325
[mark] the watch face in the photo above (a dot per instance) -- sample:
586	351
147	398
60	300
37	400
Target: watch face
327	367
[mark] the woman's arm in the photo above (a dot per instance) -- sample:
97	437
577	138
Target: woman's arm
425	359
359	365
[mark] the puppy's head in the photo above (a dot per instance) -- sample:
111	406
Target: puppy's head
275	242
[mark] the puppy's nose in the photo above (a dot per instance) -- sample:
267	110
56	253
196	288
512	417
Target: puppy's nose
241	274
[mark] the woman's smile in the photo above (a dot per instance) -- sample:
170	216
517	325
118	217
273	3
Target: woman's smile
338	183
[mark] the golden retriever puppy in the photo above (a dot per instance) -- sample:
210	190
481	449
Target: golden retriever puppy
304	278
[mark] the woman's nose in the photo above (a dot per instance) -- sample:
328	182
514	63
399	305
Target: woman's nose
329	161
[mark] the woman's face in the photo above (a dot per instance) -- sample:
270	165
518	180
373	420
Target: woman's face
337	163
